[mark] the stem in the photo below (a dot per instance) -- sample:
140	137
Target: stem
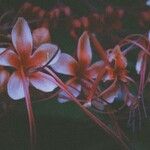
127	50
86	111
5	14
142	82
96	82
48	98
117	127
140	46
31	119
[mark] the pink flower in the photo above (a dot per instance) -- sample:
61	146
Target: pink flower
80	69
117	74
27	68
20	57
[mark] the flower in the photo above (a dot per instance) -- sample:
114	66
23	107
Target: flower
27	68
80	69
117	74
20	57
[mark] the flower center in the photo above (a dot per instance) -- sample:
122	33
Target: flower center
81	72
24	63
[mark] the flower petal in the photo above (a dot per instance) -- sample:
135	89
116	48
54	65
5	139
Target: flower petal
15	86
43	81
109	75
41	36
120	60
94	69
110	55
74	88
117	56
9	58
22	37
84	51
46	53
140	62
4	76
66	64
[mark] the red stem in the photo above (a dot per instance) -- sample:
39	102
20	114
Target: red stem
86	111
96	82
48	98
31	119
140	46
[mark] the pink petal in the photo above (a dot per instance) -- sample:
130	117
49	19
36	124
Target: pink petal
107	77
66	64
94	69
120	59
74	88
140	61
110	55
41	36
4	76
22	37
15	86
109	74
84	51
9	58
117	56
43	81
46	53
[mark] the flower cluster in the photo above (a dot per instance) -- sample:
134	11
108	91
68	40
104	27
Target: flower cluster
30	59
